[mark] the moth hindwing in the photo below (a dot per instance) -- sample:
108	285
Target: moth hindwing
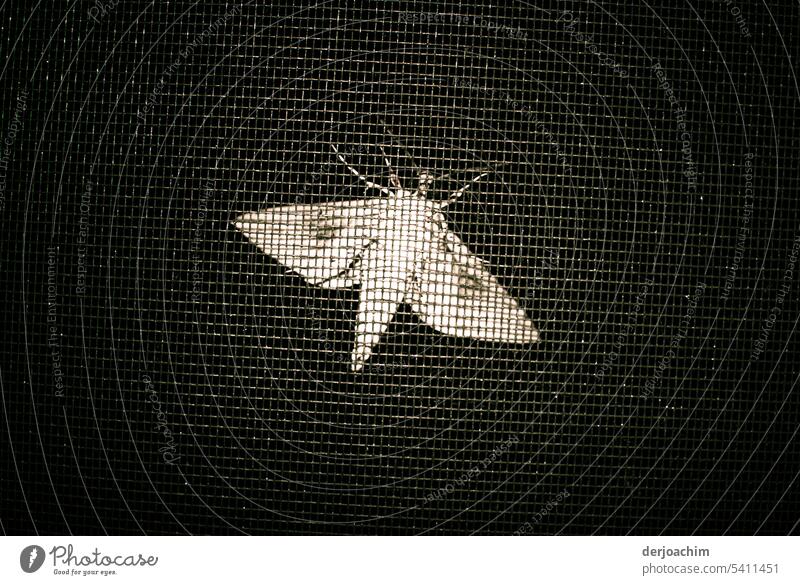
398	249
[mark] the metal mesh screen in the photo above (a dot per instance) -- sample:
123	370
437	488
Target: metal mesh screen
163	374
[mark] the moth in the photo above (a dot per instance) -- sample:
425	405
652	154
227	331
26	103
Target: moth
398	249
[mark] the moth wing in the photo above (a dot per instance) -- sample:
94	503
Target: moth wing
322	243
455	294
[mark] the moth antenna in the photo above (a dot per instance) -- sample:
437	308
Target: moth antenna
483	170
401	146
457	194
367	182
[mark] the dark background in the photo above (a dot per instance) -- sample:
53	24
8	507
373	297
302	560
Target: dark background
597	429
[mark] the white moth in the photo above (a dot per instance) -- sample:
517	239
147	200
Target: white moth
396	248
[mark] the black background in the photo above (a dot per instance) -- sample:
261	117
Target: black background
588	207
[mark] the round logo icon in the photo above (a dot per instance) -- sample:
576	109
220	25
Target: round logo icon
31	558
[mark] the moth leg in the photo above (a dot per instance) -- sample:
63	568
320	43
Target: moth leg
456	194
336	276
368	183
393	178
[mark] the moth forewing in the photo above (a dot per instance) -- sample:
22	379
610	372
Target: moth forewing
319	242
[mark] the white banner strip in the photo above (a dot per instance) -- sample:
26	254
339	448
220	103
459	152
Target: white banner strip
400	560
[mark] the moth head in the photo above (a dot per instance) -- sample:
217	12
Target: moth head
426	179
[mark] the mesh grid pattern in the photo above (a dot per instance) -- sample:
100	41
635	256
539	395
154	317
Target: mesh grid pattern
162	375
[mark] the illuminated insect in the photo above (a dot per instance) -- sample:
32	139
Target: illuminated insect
397	249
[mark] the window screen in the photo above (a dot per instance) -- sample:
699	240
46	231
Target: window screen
619	176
